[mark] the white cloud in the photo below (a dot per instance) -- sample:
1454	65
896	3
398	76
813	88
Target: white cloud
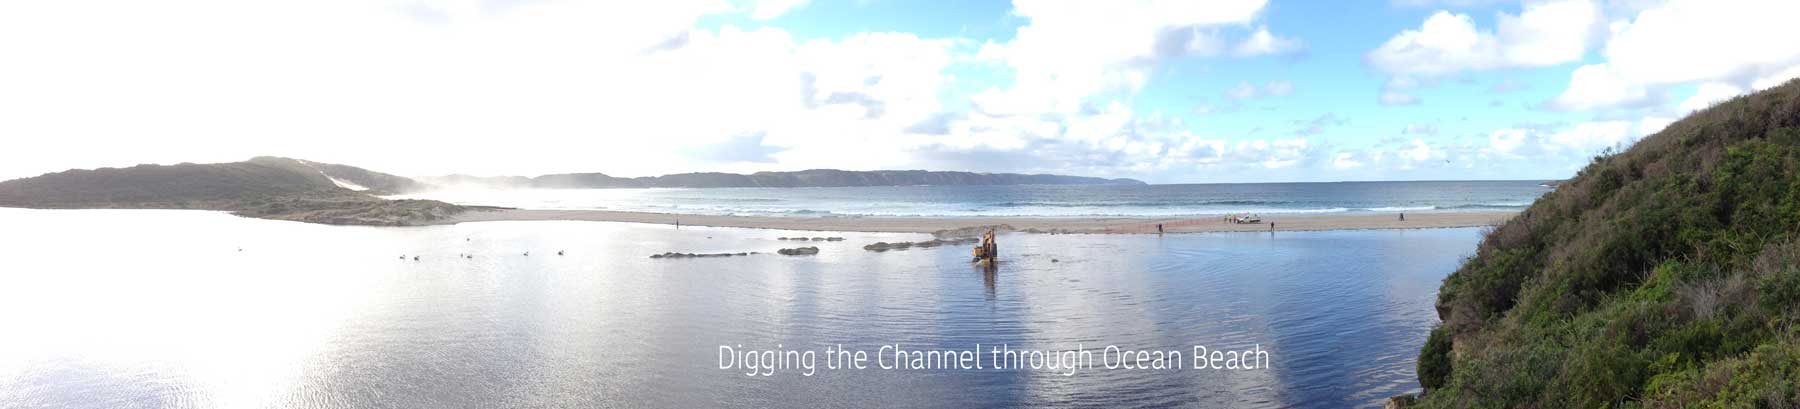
1548	33
1688	40
1598	86
433	87
1279	88
1262	42
1345	160
1397	98
536	88
1318	125
1242	91
539	87
1419	129
1707	95
1653	124
1507	141
1444	3
768	9
1514	152
1445	43
1419	152
1543	34
1071	51
1738	43
1568	144
1775	79
1273	154
1588	137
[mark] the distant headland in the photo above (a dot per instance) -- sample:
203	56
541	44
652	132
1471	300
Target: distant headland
299	190
804	178
263	187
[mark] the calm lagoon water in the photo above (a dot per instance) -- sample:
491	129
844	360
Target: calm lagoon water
143	308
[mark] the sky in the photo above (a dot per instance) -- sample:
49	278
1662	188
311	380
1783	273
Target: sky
1194	91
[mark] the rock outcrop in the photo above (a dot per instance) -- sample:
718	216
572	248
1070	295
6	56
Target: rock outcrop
699	255
799	251
885	246
811	239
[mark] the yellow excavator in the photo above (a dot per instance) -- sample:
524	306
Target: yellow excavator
987	251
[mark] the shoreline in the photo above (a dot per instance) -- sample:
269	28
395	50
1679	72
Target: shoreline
956	225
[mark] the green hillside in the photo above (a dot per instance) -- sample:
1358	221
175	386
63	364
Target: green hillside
1661	276
265	187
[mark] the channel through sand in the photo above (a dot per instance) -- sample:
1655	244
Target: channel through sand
1027	224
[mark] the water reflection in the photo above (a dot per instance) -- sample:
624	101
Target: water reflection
989	275
319	316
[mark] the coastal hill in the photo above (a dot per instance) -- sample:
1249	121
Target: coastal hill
292	189
805	178
264	187
1667	275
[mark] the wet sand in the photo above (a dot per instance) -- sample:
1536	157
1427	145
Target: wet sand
1029	224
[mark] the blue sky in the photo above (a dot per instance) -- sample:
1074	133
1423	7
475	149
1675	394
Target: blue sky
1164	91
1335	97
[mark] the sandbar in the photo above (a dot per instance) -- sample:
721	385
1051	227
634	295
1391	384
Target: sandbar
946	225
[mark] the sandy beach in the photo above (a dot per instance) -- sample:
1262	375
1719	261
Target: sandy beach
1028	224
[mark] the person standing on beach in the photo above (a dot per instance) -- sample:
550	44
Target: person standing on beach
1271	226
1403	216
1159	229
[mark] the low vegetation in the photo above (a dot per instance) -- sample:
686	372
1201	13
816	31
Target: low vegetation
263	187
1667	275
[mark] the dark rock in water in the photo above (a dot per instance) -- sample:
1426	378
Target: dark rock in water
811	239
801	251
885	246
696	255
941	242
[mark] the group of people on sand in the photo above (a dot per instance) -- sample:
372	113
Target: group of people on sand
1235	219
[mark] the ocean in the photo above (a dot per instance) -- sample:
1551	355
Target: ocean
1029	200
160	308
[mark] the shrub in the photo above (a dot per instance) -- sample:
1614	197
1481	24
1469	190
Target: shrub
1664	275
1434	359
